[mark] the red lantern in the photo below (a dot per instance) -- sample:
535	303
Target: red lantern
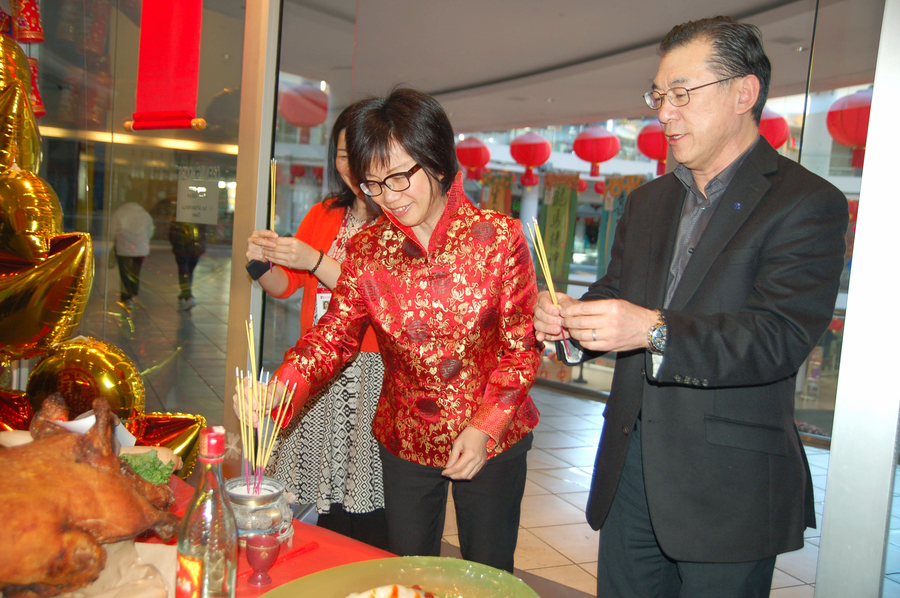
848	123
297	171
474	155
652	143
27	27
304	106
774	128
600	187
582	185
530	150
595	145
318	172
37	104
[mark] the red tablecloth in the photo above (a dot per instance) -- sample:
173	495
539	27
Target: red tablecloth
312	549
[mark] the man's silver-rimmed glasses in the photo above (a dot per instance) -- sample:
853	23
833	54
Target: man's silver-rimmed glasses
395	182
677	96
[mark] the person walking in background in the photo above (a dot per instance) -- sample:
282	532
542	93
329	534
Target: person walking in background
723	276
188	241
449	290
328	456
131	228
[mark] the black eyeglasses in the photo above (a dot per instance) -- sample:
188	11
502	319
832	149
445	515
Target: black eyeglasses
677	96
395	182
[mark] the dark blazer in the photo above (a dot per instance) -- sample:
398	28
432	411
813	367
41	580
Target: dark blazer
725	473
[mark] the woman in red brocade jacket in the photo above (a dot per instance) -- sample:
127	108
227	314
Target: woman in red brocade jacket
449	290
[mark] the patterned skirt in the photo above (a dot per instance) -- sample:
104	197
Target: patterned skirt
327	454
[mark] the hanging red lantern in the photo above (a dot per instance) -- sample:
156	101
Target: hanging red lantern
27	27
600	187
37	104
652	143
297	171
595	145
474	155
774	128
848	123
304	106
582	185
530	150
318	172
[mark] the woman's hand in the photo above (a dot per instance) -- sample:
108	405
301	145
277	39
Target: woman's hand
258	242
251	404
468	455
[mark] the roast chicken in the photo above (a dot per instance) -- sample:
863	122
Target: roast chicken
64	495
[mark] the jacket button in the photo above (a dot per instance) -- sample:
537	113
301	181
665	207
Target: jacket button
677	378
625	430
696	381
704	382
643	372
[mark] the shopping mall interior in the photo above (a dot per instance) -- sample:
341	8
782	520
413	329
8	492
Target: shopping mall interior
272	77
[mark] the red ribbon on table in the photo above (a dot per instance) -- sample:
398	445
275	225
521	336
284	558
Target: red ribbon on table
168	65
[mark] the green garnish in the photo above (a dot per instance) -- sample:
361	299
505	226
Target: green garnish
148	466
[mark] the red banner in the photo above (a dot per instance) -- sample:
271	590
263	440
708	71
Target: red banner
168	65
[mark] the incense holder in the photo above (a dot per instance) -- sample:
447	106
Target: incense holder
260	508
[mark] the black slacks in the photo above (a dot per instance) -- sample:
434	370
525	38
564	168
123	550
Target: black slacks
487	507
129	275
632	565
370	528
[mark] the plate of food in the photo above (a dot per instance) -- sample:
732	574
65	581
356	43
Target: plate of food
414	577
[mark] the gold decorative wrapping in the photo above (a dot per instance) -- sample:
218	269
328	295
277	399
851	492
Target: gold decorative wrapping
177	431
20	139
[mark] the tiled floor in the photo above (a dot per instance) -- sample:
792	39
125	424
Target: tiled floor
182	358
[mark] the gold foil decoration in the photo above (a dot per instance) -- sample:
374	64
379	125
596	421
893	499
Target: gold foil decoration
83	369
177	431
30	215
20	139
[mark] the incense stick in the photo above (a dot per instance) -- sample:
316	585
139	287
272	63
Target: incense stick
538	241
259	402
273	176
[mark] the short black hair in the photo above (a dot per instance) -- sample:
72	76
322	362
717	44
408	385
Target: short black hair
414	121
737	50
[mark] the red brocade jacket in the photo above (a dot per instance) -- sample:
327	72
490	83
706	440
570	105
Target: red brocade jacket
454	324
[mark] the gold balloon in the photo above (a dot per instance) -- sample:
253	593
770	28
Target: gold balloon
30	215
20	139
42	304
83	369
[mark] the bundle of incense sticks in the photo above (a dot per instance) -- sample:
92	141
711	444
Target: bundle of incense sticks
258	440
538	242
273	174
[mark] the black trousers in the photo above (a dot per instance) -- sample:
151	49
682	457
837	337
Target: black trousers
487	507
186	265
129	275
370	528
632	565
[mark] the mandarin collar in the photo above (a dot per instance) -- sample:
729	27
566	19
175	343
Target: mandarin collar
456	200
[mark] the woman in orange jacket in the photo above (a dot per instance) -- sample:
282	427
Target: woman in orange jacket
328	457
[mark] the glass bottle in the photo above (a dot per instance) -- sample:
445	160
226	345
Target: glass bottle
207	539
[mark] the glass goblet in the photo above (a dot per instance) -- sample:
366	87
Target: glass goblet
262	550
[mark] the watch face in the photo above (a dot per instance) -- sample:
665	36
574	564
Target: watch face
658	338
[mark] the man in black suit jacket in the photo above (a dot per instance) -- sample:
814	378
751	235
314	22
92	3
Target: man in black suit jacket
722	278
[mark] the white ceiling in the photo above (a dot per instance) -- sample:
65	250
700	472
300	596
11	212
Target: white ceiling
496	64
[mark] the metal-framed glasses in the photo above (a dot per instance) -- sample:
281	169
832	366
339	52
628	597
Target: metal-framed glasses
395	182
677	96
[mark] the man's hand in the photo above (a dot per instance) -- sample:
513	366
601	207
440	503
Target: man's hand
608	324
547	321
468	455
